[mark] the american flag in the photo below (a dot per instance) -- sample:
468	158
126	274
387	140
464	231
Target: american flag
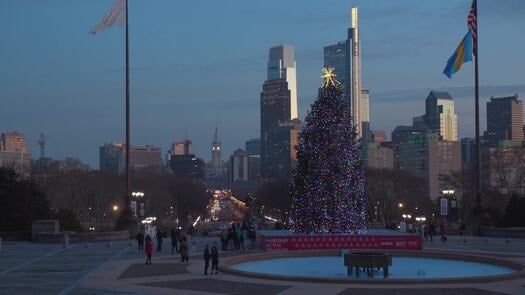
473	25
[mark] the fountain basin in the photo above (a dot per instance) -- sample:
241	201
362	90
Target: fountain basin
407	267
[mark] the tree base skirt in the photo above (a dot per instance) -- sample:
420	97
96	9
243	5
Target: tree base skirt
370	240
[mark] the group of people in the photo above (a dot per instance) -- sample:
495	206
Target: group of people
237	235
179	244
214	257
429	230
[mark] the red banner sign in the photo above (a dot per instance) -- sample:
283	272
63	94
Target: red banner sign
292	243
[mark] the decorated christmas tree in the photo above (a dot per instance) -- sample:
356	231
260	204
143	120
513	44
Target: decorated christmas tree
328	184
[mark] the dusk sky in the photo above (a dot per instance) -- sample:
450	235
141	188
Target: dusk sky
196	65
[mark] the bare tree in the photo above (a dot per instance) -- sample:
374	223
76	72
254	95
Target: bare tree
507	169
386	188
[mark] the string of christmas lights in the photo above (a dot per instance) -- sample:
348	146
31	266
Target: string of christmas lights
328	184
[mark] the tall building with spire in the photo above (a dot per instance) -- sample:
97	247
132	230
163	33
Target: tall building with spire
278	101
216	154
345	58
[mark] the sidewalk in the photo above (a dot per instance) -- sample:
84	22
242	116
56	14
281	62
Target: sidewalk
118	268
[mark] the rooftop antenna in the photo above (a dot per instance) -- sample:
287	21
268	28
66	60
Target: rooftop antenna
42	143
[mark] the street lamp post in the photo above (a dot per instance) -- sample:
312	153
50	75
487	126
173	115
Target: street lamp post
447	195
420	221
138	204
400	206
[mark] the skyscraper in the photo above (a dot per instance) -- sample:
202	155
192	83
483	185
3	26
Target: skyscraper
364	106
238	167
281	66
278	99
182	147
345	58
379	157
253	149
378	136
403	134
440	116
504	120
281	152
112	157
429	158
216	152
149	156
468	154
14	153
13	142
187	165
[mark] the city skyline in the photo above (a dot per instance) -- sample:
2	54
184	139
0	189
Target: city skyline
73	89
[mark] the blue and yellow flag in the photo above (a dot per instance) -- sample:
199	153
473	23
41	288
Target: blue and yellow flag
462	54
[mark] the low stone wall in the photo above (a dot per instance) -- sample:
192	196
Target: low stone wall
44	226
77	238
15	235
500	232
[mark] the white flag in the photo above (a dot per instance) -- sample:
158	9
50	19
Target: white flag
115	16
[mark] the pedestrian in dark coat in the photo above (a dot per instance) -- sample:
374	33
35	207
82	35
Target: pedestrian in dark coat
159	241
184	250
174	241
431	231
214	260
140	241
206	259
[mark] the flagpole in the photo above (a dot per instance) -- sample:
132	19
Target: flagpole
128	175
127	220
478	207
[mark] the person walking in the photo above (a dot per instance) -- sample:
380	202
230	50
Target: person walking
184	250
149	250
159	241
431	230
231	240
214	260
442	226
238	237
174	240
424	229
140	240
206	260
224	240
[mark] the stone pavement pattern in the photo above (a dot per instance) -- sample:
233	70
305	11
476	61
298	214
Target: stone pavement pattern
220	286
27	268
420	291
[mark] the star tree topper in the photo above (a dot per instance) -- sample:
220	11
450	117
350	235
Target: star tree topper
329	77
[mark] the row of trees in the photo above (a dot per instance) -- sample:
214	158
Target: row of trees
92	195
22	201
78	197
387	188
498	206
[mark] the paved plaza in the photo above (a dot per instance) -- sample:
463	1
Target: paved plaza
118	268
